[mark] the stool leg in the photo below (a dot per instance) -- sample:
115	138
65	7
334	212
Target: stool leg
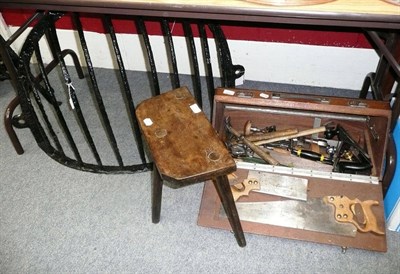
222	186
156	194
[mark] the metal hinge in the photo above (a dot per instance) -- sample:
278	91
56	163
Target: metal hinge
357	103
372	129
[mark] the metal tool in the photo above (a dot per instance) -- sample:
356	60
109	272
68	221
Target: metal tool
313	215
263	155
249	128
254	134
299	134
311	155
351	157
273	184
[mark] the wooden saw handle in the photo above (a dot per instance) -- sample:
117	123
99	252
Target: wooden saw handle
244	188
345	212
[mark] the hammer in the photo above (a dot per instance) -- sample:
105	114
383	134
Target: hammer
266	135
257	150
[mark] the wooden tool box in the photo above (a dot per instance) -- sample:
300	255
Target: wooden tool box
366	121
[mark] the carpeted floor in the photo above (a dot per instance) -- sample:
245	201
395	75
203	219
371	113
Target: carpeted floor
54	219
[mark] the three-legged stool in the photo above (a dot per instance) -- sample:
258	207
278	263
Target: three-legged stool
186	149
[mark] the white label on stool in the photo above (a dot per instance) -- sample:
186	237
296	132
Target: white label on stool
195	108
229	92
264	95
148	122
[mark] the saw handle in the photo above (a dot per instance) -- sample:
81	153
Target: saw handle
244	188
345	212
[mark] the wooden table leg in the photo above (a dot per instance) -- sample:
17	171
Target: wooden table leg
222	186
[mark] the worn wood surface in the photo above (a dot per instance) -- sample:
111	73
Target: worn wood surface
299	112
345	13
337	6
209	215
261	108
182	141
286	3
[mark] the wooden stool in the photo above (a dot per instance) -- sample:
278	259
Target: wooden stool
186	150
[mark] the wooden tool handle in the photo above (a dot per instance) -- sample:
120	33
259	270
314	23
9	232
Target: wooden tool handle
299	134
244	188
270	135
260	152
257	150
345	212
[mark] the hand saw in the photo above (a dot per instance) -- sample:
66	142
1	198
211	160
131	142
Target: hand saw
314	215
274	184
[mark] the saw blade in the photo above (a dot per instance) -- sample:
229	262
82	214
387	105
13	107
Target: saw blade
313	215
280	185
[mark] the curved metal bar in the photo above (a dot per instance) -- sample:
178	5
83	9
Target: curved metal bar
48	91
50	66
11	59
106	169
195	63
56	139
128	95
72	94
229	72
369	82
171	53
385	52
9	125
24	88
96	90
142	30
25	25
207	57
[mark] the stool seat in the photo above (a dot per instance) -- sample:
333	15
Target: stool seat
185	149
183	143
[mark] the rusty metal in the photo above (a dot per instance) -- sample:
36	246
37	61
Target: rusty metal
142	30
387	74
171	50
127	89
209	71
96	90
385	51
56	114
381	83
10	62
194	61
8	123
229	72
72	93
